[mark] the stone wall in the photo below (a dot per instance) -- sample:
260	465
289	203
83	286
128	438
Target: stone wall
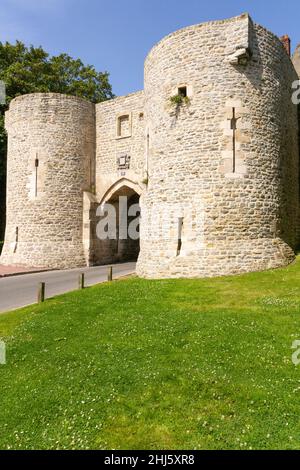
110	146
296	59
296	63
242	219
112	177
45	202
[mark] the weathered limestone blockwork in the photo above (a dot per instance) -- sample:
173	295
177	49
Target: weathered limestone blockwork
110	146
250	216
222	164
296	59
110	176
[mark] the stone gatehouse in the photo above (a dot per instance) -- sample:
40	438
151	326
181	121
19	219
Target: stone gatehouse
213	138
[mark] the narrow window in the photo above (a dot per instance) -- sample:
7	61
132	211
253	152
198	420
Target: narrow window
233	126
148	144
179	241
182	91
147	154
36	164
17	239
124	126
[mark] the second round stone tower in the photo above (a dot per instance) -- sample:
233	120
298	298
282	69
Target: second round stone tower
223	195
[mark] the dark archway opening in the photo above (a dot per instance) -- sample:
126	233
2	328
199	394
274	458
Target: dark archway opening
124	245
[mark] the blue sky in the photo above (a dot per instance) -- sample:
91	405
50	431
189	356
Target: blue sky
116	35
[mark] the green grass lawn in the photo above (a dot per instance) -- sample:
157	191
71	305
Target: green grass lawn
171	364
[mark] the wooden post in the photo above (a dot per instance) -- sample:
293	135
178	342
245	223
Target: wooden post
81	281
41	292
109	274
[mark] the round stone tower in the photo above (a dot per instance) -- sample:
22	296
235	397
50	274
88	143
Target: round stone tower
50	150
223	194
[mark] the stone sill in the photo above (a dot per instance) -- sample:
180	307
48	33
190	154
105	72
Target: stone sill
120	137
235	175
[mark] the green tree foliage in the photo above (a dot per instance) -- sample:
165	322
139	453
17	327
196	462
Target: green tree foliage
30	70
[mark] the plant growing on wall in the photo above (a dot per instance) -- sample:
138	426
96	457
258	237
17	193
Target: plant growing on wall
179	100
146	180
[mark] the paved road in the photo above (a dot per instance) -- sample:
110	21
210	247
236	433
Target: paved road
21	290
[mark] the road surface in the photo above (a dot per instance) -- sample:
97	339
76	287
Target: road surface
19	291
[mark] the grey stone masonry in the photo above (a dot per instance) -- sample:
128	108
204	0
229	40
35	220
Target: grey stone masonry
240	185
210	150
